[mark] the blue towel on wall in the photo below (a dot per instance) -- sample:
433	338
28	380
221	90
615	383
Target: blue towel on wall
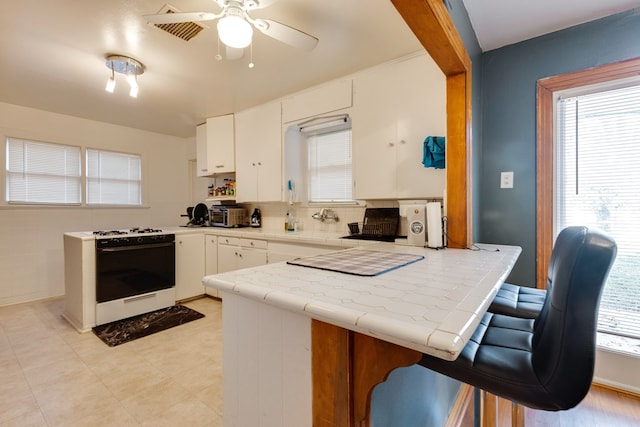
433	152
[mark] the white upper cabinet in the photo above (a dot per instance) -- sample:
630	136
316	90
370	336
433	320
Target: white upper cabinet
259	154
322	99
215	146
395	107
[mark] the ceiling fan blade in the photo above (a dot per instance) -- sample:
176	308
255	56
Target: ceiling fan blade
264	3
285	34
233	53
173	18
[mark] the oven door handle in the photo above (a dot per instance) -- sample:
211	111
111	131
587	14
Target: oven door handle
137	247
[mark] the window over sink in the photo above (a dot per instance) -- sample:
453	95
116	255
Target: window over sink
318	160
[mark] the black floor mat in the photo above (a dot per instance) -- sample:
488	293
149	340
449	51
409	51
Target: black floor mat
125	330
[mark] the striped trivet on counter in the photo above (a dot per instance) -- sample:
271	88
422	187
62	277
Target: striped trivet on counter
360	262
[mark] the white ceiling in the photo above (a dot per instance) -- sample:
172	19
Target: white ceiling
52	53
499	23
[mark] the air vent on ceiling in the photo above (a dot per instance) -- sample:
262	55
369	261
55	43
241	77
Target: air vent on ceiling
183	30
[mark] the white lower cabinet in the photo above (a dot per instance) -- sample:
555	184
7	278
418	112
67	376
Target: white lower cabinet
236	253
190	265
210	261
266	365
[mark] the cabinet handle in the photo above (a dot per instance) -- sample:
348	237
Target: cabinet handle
259	163
219	166
253	163
402	141
204	170
391	144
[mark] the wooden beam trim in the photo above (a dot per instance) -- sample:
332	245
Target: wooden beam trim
430	22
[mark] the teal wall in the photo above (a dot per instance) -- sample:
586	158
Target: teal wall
508	122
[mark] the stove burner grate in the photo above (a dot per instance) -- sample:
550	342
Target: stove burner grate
108	232
145	230
134	230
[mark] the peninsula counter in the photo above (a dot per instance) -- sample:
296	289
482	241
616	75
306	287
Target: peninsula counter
305	346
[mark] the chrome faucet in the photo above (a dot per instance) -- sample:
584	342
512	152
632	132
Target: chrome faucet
325	214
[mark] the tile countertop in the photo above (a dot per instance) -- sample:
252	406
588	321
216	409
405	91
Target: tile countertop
432	306
326	239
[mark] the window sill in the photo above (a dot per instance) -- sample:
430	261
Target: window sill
18	206
616	344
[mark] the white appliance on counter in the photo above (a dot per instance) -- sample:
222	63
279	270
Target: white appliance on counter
414	217
435	237
421	222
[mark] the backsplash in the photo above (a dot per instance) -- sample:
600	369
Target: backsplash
274	215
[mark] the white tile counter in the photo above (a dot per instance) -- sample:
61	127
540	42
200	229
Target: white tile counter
431	306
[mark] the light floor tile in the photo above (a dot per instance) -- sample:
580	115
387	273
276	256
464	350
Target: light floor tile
54	376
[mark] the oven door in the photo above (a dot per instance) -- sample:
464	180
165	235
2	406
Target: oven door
126	271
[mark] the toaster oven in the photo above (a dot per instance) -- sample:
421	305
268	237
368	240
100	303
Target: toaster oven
227	216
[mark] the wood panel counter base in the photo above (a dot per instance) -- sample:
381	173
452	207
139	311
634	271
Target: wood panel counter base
346	366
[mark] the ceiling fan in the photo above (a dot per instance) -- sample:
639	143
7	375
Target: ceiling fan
235	25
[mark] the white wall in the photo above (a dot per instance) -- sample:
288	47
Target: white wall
31	253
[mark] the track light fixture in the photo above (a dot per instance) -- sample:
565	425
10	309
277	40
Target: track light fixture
131	69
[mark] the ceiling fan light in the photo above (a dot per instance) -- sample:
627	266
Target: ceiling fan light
234	31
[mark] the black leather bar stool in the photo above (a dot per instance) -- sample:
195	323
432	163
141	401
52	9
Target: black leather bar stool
518	301
544	363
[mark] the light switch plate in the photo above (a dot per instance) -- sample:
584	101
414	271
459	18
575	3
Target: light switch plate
506	179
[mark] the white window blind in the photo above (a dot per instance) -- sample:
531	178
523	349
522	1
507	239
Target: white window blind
597	183
39	172
329	170
113	178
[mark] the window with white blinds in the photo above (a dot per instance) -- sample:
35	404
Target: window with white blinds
597	183
329	169
113	178
39	172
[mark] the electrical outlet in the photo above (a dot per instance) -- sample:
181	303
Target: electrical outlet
506	179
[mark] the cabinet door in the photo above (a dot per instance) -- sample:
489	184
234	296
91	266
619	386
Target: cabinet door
210	260
189	266
374	134
201	150
227	258
249	257
420	112
322	99
221	144
396	106
259	154
217	154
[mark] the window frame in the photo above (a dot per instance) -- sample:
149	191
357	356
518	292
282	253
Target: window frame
545	164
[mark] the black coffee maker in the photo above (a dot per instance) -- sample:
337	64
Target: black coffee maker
256	218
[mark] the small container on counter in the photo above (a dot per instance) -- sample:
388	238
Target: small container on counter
256	218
